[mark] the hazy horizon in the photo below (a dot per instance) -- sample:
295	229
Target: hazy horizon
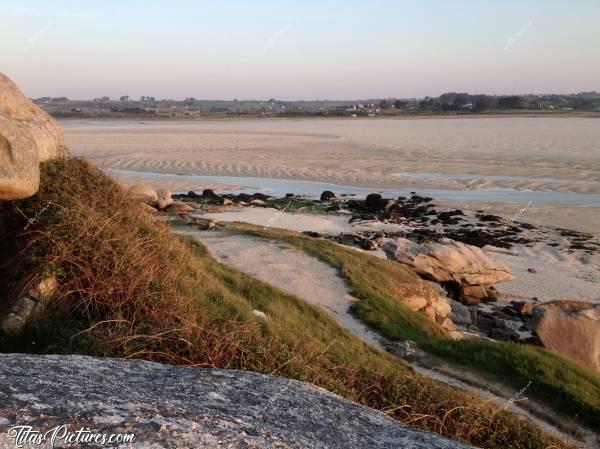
314	50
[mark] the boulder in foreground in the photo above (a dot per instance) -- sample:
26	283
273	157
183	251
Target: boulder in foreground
571	328
28	136
167	406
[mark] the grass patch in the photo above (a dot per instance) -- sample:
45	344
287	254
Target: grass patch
567	387
378	284
130	288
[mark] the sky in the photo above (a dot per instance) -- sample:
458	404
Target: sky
325	49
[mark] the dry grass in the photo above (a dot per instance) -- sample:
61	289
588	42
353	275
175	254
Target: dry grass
129	288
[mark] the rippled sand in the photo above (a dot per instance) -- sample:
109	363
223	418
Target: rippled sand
559	154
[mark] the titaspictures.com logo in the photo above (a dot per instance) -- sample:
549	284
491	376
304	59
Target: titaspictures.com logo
61	436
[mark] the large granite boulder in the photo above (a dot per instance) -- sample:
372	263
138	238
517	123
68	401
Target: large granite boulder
571	328
167	407
28	136
449	263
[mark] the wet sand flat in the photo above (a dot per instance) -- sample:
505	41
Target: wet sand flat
538	154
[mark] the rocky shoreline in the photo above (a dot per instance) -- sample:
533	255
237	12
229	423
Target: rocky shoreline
478	310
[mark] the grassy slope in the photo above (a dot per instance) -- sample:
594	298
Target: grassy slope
569	388
129	288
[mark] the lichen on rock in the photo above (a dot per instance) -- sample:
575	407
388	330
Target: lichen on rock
167	406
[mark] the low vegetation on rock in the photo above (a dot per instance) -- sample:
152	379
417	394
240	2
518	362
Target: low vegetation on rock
127	287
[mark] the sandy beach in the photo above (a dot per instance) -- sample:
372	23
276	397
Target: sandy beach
545	171
511	154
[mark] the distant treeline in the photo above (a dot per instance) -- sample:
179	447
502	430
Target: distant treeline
451	102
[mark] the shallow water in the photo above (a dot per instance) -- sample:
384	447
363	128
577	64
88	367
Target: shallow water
279	187
475	177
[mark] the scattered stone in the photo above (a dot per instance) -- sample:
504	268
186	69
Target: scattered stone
18	314
327	195
403	349
260	196
504	334
312	234
375	201
192	194
289	195
210	194
522	307
259	314
571	328
45	289
369	244
485	323
246	198
260	203
488	217
532	270
204	224
180	206
461	314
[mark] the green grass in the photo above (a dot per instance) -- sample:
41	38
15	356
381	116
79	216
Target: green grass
569	388
129	288
378	284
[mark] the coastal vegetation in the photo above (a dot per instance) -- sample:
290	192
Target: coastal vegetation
128	287
566	386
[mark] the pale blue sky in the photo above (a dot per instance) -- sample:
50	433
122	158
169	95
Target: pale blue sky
322	49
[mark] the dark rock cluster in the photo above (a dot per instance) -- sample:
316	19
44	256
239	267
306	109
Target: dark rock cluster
507	322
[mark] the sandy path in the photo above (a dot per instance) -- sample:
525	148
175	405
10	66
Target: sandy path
292	271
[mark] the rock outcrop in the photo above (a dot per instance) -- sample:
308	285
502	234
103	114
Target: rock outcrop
167	406
453	264
571	328
28	136
27	304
